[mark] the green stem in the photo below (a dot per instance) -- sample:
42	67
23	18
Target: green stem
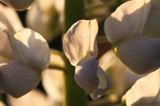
74	11
75	96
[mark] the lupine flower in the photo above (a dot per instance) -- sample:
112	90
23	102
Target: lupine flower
46	17
18	4
133	29
80	47
25	53
53	83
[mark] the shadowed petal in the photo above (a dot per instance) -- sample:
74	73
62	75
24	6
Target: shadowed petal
103	85
91	77
31	48
18	79
86	74
128	20
141	54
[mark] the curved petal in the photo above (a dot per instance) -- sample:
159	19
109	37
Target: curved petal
18	4
31	48
91	78
128	20
86	74
103	85
79	42
145	92
141	54
18	79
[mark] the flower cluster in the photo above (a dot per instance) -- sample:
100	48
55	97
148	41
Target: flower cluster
24	53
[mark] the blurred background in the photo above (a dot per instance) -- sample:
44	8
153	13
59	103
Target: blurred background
48	18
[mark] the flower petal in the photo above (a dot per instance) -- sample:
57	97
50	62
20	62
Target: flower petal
128	20
79	42
103	85
141	54
32	48
86	74
145	92
18	79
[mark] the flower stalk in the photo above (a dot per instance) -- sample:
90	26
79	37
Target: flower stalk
75	96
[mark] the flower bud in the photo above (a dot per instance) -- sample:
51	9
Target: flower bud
18	79
79	42
19	5
31	48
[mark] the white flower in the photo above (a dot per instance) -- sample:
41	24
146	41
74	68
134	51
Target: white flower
24	53
79	42
134	31
80	47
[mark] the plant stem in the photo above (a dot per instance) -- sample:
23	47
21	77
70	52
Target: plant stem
75	96
74	11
